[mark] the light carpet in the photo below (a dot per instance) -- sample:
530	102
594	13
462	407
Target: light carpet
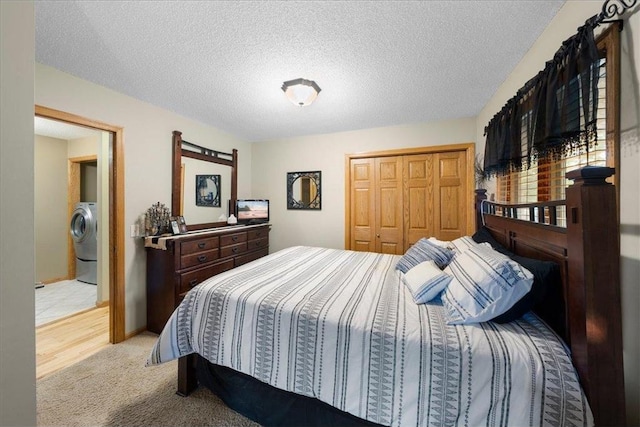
114	388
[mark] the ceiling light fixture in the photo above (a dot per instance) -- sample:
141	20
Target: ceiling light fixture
301	92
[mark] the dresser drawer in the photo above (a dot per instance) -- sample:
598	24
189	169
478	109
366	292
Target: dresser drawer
193	278
258	234
232	239
257	243
198	258
200	245
233	250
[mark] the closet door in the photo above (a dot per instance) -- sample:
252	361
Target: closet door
450	204
395	199
363	205
389	205
419	195
376	205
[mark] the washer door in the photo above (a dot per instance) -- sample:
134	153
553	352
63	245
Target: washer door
79	221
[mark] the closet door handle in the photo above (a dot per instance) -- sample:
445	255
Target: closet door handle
378	235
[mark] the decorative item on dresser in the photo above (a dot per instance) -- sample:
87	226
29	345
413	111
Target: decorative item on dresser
175	264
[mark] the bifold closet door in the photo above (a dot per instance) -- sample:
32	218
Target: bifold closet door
396	200
377	205
451	208
434	199
419	175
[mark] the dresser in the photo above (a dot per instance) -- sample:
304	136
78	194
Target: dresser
175	264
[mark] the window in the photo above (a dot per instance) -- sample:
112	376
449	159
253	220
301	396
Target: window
545	179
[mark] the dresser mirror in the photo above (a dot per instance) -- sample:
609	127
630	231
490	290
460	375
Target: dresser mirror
303	190
203	182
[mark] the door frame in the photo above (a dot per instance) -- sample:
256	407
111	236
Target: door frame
116	215
469	148
73	197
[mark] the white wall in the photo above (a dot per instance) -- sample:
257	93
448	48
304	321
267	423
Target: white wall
326	153
17	302
147	158
51	222
572	15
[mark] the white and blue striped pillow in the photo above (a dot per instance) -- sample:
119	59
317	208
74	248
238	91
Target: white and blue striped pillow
464	243
425	281
424	250
485	284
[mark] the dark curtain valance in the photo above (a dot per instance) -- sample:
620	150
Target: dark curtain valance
553	114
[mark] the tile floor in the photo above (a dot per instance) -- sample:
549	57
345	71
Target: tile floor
60	299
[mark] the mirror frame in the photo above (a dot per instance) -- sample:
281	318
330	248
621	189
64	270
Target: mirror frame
206	155
292	203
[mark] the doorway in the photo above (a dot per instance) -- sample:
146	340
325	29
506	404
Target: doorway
114	158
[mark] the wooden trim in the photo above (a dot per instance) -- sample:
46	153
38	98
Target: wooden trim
116	217
609	43
415	150
468	147
84	159
102	304
54	280
116	260
134	333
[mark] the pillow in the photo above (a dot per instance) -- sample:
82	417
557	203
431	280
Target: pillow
464	243
485	285
425	281
424	250
441	243
546	275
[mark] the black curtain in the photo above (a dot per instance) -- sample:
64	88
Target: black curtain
553	114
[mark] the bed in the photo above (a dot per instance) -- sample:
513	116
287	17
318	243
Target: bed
317	336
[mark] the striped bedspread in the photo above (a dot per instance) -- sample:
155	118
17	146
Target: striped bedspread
340	326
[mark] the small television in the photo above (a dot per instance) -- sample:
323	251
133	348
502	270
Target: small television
252	211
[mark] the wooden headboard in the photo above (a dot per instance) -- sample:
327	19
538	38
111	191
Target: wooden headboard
586	310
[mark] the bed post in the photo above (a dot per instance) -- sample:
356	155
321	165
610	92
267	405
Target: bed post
481	195
594	292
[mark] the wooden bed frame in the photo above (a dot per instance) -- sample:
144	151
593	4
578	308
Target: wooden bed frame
586	311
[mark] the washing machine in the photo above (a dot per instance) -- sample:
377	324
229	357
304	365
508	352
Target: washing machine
84	232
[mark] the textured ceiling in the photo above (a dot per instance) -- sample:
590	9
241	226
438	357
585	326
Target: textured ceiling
379	63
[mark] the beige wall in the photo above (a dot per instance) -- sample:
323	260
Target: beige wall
326	153
17	269
51	222
147	159
572	15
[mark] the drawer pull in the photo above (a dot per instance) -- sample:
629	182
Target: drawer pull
258	243
234	250
202	258
202	245
258	233
234	238
193	282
